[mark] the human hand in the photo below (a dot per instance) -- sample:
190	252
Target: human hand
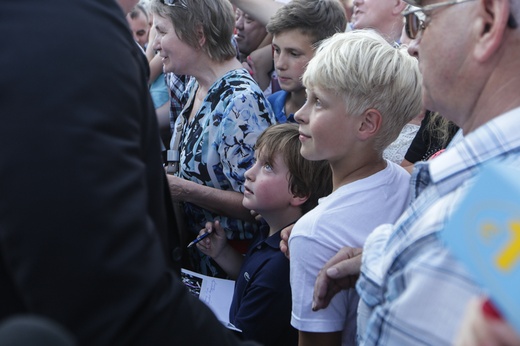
215	243
150	52
249	65
340	272
257	216
483	325
284	243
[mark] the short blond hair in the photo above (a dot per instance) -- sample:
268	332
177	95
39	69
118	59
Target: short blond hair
368	72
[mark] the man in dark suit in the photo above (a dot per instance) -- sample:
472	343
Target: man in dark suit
82	199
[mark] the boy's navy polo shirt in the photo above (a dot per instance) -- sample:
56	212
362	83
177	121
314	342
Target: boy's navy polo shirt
261	305
277	101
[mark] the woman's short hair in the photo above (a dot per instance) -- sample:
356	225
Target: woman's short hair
369	73
214	19
306	178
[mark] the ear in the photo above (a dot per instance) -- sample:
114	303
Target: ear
399	7
371	121
490	27
201	38
297	201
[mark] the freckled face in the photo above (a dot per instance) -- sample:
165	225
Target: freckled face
267	186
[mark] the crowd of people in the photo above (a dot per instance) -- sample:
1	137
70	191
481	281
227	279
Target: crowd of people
324	145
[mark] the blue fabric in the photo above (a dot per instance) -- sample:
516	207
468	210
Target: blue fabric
277	101
261	305
159	91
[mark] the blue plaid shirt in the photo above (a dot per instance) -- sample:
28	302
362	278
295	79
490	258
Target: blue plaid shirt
413	291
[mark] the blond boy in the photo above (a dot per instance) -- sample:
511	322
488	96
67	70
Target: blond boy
360	93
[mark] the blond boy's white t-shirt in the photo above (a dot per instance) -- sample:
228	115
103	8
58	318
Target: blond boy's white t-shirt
344	218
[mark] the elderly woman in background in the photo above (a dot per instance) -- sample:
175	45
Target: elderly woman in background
215	133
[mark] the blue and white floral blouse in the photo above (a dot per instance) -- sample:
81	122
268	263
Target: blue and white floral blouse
217	146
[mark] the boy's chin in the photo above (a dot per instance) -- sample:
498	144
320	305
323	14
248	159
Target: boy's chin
247	204
309	155
291	88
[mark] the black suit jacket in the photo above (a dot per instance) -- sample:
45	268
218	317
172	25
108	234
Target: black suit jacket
82	198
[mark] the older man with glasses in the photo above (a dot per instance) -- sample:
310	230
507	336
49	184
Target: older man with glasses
413	290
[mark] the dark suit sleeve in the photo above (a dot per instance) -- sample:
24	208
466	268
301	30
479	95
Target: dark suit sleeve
81	182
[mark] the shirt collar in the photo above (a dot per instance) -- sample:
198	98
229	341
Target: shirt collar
496	137
274	240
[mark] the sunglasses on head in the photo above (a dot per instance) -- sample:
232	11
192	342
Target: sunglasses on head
415	19
175	3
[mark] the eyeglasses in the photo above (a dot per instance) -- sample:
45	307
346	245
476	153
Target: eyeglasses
415	24
176	3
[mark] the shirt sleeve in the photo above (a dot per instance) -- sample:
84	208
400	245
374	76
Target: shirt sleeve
307	257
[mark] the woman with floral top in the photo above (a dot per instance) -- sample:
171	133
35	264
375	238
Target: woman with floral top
218	127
